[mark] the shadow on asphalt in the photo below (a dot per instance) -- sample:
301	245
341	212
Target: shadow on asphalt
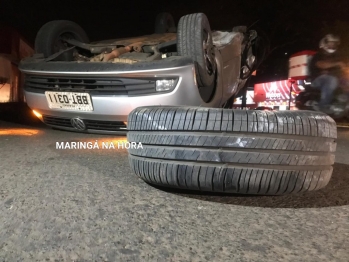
336	193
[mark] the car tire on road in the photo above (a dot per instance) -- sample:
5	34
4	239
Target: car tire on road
232	151
165	23
194	40
48	39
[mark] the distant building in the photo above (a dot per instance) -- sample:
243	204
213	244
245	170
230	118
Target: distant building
13	48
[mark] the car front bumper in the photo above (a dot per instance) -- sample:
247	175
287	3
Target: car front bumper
110	112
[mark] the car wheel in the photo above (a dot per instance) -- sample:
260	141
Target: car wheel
49	41
164	23
232	151
194	39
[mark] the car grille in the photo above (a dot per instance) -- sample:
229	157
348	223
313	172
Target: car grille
90	124
105	125
57	121
95	85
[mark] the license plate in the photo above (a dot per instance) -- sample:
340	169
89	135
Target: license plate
69	100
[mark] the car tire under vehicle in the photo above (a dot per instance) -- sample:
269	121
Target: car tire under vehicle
232	151
48	39
194	39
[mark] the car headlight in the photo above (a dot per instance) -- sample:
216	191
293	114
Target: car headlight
165	84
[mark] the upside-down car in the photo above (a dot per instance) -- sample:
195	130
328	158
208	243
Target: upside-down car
78	85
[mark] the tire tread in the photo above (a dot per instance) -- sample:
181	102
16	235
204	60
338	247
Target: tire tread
232	151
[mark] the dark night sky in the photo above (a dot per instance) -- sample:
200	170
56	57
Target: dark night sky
290	25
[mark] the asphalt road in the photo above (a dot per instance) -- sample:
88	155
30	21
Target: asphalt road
87	205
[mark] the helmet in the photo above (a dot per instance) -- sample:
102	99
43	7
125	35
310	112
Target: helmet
329	43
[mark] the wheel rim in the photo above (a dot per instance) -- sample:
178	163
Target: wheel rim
209	54
59	44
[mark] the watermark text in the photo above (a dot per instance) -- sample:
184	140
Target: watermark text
99	145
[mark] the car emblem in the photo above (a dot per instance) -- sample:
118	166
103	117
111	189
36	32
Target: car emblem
78	123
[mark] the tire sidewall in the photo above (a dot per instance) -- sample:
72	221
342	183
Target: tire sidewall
49	34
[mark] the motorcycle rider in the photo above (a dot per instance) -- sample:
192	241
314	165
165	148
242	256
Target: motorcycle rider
325	70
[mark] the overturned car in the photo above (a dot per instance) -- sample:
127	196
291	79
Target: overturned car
76	85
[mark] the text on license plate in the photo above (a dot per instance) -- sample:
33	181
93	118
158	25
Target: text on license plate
69	100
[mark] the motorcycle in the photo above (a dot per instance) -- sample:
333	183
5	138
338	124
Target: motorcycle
309	98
